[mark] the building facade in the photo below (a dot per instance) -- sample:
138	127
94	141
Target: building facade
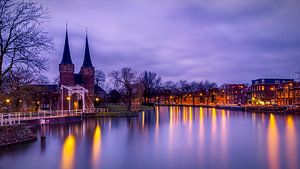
263	91
235	94
288	94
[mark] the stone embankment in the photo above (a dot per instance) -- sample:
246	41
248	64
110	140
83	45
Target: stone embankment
16	134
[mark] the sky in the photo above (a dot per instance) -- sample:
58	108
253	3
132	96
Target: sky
225	41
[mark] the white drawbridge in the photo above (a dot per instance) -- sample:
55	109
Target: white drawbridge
76	90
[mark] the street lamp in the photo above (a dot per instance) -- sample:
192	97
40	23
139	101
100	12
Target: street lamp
69	100
7	101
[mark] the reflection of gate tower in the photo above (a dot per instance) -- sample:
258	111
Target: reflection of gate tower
67	78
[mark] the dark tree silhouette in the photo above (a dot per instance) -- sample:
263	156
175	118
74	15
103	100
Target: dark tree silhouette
99	77
22	39
151	82
125	79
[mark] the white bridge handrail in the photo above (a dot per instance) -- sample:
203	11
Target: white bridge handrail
13	118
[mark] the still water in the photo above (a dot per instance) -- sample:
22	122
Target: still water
167	137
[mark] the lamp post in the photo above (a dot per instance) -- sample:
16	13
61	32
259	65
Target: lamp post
7	101
69	101
97	101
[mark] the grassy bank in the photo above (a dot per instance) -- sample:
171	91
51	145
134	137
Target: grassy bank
123	108
121	111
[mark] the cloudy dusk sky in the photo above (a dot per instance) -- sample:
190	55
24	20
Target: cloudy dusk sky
226	41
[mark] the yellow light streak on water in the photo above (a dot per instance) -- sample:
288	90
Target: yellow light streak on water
291	143
273	144
96	151
68	153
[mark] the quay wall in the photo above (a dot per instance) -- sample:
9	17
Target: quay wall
16	134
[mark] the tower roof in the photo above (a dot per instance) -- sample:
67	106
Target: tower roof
66	59
87	62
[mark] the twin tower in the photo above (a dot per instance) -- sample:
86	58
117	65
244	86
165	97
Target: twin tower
86	75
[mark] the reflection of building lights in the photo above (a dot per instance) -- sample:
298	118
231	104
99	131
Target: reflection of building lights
291	139
273	144
96	147
68	152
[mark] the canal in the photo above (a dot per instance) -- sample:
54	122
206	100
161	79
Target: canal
168	137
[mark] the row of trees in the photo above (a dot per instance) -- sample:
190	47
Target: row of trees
128	82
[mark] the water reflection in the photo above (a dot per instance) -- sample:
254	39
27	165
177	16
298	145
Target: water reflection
190	128
213	134
68	152
167	137
213	124
171	126
291	143
156	124
201	134
223	140
143	119
96	150
273	144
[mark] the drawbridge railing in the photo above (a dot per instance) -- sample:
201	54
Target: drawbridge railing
13	118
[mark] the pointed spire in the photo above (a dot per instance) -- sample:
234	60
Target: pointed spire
66	59
87	62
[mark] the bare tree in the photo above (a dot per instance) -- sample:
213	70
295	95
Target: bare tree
99	77
170	86
151	82
209	85
22	39
125	79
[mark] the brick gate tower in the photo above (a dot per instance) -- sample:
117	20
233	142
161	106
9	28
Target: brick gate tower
87	71
66	66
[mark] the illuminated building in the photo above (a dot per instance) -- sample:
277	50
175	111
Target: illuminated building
288	93
264	90
235	94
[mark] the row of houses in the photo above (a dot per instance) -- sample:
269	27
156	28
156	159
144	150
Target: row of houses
281	92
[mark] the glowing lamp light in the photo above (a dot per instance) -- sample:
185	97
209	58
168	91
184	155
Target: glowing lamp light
7	101
68	98
97	99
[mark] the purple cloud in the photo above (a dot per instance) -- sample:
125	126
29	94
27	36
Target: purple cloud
228	41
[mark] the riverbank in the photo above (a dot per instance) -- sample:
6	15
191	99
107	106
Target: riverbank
16	134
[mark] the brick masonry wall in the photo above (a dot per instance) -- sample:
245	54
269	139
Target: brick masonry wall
15	134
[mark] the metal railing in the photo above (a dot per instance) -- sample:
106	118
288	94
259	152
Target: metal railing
13	118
